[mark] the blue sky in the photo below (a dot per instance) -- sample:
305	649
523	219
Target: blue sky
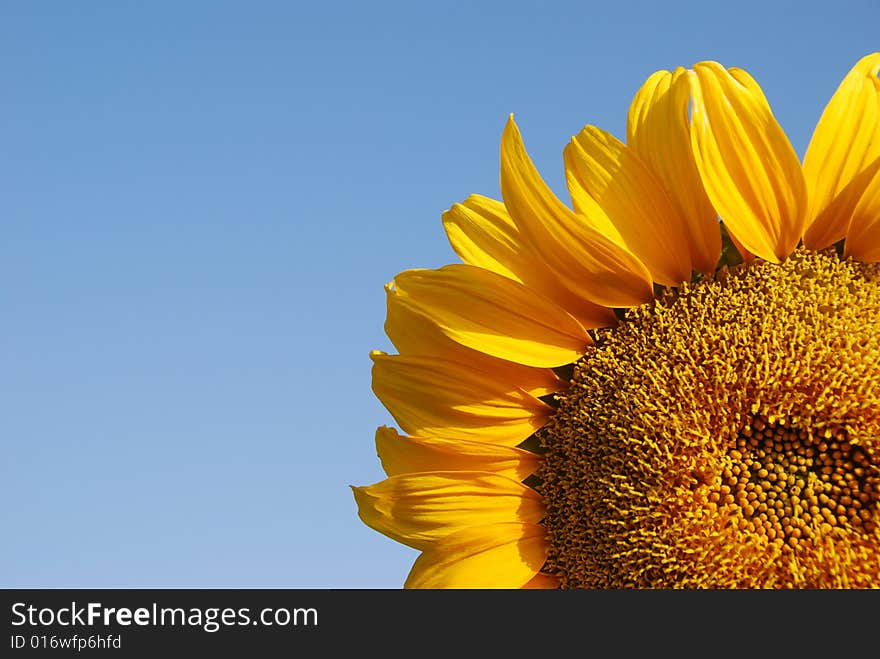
201	204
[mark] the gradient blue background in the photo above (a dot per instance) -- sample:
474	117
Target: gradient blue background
200	203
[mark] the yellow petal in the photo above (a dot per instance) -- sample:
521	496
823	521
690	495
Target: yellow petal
602	171
433	397
414	334
846	141
401	454
749	169
863	237
586	261
543	581
743	252
496	556
493	314
420	509
483	234
658	130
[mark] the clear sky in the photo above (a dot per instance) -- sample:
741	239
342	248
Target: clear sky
200	203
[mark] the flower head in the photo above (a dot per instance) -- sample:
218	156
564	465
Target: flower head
674	382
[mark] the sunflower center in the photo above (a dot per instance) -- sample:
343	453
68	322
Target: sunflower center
725	435
789	484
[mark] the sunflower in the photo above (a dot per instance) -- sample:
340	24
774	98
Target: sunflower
672	383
